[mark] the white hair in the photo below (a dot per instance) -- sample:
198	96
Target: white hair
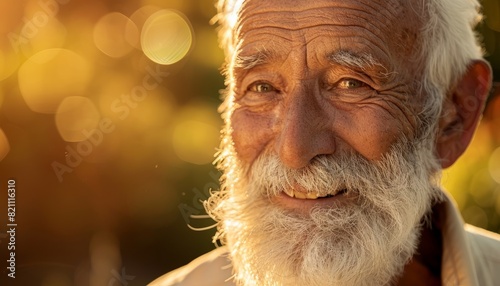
449	41
449	44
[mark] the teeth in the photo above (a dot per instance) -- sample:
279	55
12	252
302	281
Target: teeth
312	196
309	195
300	195
289	192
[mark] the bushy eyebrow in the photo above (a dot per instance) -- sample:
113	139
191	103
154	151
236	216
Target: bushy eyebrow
246	62
362	61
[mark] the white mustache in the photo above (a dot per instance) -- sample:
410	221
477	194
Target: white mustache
325	175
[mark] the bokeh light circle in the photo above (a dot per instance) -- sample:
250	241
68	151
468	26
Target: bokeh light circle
76	118
49	76
115	35
166	37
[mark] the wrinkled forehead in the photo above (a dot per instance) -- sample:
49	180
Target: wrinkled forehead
388	13
385	27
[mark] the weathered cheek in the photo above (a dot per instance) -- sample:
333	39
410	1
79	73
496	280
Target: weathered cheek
371	132
251	134
378	138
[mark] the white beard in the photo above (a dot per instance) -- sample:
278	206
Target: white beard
363	243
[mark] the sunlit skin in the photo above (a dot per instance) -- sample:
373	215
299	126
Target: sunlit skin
299	101
295	98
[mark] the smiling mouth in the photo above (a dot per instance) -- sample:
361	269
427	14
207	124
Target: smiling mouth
311	195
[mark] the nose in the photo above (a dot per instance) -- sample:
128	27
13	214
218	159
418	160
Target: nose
305	131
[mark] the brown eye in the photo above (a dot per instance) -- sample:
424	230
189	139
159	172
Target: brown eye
350	83
261	87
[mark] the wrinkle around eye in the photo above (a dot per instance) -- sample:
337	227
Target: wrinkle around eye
349	85
354	95
368	76
252	97
261	87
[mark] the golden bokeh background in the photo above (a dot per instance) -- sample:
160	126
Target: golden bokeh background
108	125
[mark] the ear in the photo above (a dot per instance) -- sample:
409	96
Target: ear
462	110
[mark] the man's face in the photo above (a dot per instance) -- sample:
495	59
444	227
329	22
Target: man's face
325	175
323	77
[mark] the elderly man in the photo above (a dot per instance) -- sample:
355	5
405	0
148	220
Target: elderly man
339	117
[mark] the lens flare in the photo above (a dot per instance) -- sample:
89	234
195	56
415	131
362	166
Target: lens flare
76	118
51	75
166	37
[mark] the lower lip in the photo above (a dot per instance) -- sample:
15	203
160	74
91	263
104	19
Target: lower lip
304	206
